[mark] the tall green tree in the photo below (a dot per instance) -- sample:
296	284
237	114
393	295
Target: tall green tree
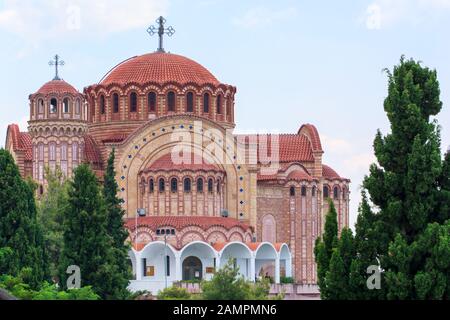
19	228
116	229
323	249
51	208
405	230
410	185
86	240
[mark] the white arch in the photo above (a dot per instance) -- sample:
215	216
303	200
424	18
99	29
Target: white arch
201	243
267	261
286	259
243	258
240	244
154	243
203	251
265	244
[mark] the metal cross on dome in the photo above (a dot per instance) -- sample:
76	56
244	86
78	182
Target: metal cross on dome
161	31
56	62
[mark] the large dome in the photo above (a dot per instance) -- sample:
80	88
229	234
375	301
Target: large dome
160	68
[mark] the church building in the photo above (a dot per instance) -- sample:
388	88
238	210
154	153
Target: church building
195	194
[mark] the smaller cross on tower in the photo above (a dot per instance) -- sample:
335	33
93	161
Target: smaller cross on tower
161	31
56	62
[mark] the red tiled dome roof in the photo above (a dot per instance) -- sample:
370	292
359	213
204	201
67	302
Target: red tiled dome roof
57	87
160	68
329	173
299	175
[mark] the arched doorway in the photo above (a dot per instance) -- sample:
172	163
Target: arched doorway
192	269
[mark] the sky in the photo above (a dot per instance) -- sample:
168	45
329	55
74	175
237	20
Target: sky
293	62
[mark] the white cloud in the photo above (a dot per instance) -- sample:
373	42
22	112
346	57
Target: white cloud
336	145
262	16
386	13
359	164
36	20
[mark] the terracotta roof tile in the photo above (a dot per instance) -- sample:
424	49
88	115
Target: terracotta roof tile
57	87
185	221
196	163
92	154
115	138
21	141
26	145
329	173
299	175
291	147
160	68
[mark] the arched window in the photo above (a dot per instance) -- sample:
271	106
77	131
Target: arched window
218	187
206	103
269	228
41	106
336	193
174	185
326	192
187	185
229	107
52	151
53	105
75	151
200	185
314	191
190	102
210	186
115	102
66	105
303	191
133	102
151	100
292	191
102	104
219	104
151	186
78	107
171	101
344	194
162	185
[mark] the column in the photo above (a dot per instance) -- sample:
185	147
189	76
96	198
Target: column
289	267
252	269
277	269
178	274
138	270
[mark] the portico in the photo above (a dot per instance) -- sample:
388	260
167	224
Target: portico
158	265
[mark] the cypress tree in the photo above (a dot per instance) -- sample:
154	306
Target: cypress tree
86	241
19	228
323	249
407	236
116	230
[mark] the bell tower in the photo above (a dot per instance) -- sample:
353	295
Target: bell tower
58	123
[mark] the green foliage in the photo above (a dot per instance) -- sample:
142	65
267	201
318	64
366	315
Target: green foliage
21	290
226	284
19	228
174	293
116	230
51	208
86	241
323	249
408	236
286	280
